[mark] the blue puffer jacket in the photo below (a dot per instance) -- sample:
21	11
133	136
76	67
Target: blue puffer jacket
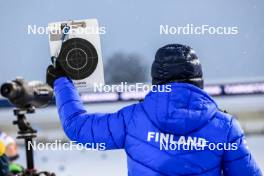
183	115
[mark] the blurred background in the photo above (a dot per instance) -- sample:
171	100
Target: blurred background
132	38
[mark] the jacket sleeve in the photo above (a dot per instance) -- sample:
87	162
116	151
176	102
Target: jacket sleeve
239	161
85	128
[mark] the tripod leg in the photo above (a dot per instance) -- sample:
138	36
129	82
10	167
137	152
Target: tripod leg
29	154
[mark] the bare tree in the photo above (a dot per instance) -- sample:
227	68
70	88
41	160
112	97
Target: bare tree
121	67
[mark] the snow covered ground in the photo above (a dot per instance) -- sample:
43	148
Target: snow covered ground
113	163
110	163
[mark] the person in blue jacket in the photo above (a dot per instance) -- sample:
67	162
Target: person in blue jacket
172	133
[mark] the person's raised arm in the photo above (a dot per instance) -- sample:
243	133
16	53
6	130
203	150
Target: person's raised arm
83	127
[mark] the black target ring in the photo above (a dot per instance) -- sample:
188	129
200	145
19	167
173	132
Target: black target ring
78	58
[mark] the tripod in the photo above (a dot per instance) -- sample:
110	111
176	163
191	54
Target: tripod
27	133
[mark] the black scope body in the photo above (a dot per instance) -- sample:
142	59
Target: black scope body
23	94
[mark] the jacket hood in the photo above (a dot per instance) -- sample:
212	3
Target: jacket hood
182	110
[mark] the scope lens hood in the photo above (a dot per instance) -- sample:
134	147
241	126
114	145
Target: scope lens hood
7	90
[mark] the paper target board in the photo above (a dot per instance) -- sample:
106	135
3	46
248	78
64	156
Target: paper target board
75	45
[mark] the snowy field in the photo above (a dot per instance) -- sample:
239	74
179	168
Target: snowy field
113	163
110	163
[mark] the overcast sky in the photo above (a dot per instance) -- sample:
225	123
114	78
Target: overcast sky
132	26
